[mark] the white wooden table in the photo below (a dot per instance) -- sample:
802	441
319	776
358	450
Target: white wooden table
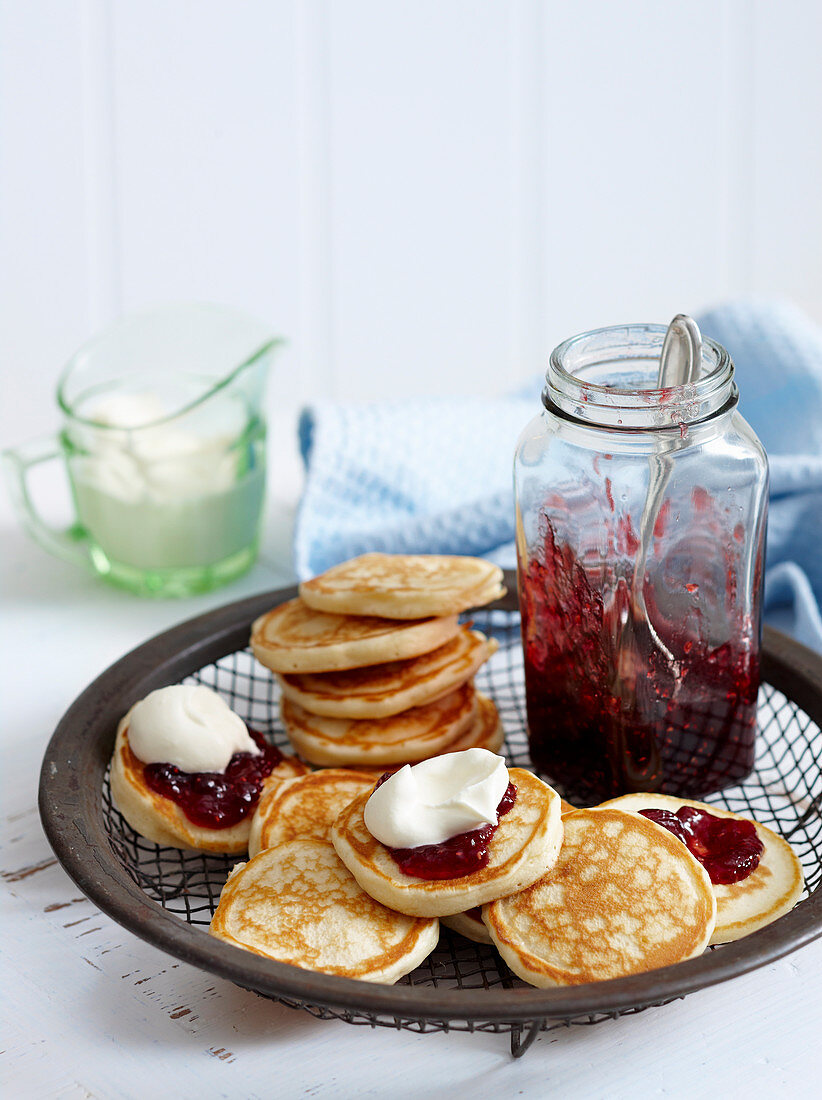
90	1010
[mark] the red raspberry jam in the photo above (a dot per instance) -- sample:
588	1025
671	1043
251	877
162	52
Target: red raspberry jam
685	729
459	855
217	800
728	848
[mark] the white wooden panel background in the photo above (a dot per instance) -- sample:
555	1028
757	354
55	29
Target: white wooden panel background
423	197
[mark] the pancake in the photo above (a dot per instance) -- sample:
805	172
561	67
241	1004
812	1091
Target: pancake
623	898
297	903
304	807
524	846
394	686
485	732
769	892
295	638
469	924
413	735
404	586
159	819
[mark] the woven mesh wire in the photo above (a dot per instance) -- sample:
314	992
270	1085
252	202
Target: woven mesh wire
784	792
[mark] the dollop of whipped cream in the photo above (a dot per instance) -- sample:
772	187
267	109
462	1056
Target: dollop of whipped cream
430	802
189	726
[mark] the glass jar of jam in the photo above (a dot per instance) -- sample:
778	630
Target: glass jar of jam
641	519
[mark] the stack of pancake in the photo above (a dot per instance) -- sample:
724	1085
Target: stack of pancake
375	669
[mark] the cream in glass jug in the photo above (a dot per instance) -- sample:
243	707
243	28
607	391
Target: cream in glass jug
163	441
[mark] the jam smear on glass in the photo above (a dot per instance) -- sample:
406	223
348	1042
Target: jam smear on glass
606	718
728	848
459	855
217	800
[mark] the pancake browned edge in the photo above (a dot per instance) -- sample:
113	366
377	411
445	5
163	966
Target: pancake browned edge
770	891
298	904
404	586
524	846
379	691
469	924
485	733
625	896
415	734
293	637
163	821
304	807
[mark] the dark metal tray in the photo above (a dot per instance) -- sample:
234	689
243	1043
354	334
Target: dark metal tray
167	896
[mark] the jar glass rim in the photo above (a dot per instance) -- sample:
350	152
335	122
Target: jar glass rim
618	348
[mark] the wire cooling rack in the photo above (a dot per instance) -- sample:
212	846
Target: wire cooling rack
462	986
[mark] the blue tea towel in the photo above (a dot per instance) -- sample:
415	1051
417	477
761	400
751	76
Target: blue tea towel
435	475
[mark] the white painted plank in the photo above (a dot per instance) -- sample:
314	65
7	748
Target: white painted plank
101	193
735	168
530	210
43	270
421	99
107	1013
206	153
315	331
424	197
787	214
632	142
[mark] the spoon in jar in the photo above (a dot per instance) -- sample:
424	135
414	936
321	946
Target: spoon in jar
680	362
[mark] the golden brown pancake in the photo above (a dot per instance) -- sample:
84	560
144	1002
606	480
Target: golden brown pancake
404	586
297	903
163	821
394	686
304	807
295	638
413	735
769	892
622	898
469	924
485	732
524	846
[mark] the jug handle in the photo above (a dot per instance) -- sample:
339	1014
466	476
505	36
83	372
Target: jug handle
69	543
